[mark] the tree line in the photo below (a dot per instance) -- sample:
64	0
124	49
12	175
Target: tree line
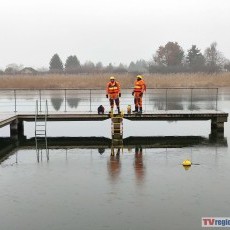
170	58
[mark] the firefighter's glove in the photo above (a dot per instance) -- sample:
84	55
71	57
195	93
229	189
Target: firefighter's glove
133	93
119	94
107	96
141	94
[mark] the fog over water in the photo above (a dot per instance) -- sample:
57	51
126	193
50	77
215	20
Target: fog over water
107	31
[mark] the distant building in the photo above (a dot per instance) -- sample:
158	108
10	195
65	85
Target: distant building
28	70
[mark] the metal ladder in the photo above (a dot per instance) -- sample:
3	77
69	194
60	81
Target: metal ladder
40	132
117	130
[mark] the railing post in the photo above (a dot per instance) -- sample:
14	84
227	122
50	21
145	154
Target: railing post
40	100
90	100
191	97
47	108
15	101
36	114
217	98
65	100
166	98
46	114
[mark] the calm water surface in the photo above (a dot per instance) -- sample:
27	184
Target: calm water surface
141	188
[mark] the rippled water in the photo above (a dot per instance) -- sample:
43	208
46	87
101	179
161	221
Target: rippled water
71	187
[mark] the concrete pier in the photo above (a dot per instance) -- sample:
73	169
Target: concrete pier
16	128
217	119
217	123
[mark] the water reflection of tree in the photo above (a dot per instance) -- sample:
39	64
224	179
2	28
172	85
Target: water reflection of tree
203	99
161	105
175	106
179	99
171	102
73	102
193	107
198	106
210	106
138	165
114	165
56	102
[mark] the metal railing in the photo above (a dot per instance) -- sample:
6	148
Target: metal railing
88	100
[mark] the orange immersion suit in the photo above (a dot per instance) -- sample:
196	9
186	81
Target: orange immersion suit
139	88
113	91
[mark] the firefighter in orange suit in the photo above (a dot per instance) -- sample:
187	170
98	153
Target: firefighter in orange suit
113	92
139	89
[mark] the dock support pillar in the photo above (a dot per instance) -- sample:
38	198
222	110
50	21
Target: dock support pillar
217	125
16	129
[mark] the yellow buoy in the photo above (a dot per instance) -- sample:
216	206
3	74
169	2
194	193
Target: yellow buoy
186	163
187	167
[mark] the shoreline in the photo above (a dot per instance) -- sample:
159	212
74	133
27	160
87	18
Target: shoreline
99	81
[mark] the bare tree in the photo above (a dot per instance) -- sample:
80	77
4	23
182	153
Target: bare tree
214	59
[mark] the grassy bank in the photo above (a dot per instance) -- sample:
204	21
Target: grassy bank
126	80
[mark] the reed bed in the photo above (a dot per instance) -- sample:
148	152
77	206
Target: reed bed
86	81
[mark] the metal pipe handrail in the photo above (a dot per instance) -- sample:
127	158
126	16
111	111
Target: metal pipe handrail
91	97
5	89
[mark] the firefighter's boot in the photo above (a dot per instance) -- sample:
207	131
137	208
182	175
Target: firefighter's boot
136	109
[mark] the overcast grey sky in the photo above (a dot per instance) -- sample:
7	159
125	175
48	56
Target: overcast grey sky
107	30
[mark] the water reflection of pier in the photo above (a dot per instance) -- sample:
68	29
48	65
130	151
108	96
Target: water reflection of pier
8	146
